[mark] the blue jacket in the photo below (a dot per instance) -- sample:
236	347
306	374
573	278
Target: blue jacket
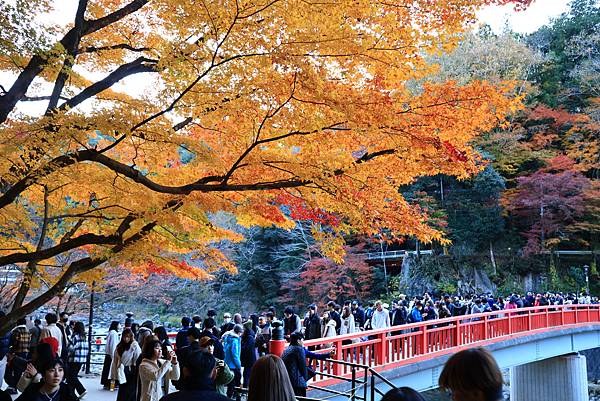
416	315
232	347
294	358
4	345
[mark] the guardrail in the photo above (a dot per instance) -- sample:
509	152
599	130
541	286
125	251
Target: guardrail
395	254
396	346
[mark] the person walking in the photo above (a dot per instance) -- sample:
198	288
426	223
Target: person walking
166	347
153	370
248	352
54	330
123	366
312	323
112	339
35	332
181	340
291	322
269	381
232	347
380	318
327	328
348	324
77	353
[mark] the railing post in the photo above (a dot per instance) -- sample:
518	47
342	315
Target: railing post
510	323
485	327
458	332
339	355
576	310
529	320
425	342
383	350
547	317
353	395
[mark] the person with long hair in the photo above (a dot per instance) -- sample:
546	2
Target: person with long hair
78	353
403	394
51	387
123	367
161	333
112	339
269	381
472	375
153	369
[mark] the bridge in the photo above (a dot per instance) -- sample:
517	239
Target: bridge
395	254
539	345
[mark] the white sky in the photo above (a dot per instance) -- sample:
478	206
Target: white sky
528	21
537	15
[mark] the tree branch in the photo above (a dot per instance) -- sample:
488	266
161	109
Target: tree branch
137	66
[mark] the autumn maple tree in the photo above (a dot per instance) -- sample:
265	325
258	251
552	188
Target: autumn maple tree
245	102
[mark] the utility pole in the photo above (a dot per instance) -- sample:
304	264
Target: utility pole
88	362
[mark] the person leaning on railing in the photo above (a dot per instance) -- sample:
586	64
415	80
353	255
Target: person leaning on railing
294	358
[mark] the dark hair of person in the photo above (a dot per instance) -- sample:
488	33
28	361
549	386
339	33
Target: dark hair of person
474	372
198	367
295	338
209	323
43	354
196	319
149	324
79	329
403	394
123	345
288	310
135	327
37	322
148	350
114	325
270	315
269	380
51	318
51	364
186	321
21	321
63	313
161	333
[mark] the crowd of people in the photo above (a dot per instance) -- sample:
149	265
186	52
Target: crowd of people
211	358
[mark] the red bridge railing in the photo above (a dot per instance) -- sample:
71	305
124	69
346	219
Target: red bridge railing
392	347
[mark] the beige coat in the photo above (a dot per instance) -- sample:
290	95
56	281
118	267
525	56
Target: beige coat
129	358
151	378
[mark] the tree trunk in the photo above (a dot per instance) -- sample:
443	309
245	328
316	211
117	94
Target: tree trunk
493	259
31	268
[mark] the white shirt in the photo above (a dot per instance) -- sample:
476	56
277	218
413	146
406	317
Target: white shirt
112	339
348	326
56	332
380	319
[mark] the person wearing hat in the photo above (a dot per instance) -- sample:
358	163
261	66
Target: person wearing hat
224	375
199	373
209	327
232	345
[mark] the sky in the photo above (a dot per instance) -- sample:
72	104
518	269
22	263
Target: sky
528	21
537	15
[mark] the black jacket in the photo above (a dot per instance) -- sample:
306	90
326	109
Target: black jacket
248	351
199	392
338	321
359	316
65	393
398	316
312	325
